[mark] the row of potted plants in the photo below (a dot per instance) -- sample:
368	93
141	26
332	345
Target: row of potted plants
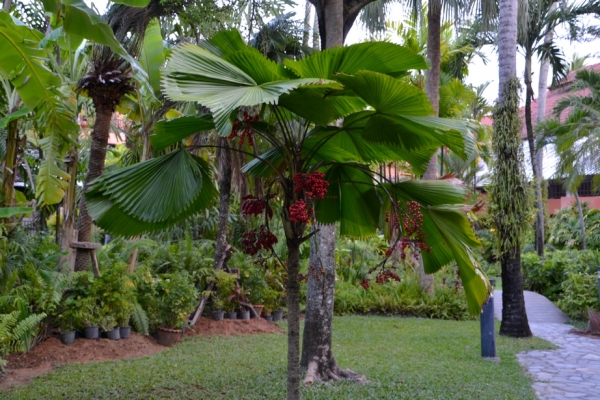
93	304
230	299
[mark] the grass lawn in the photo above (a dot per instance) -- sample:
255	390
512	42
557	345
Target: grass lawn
402	358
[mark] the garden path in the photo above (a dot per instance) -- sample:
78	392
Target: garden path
572	371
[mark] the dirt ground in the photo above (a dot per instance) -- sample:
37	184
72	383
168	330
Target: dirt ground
22	368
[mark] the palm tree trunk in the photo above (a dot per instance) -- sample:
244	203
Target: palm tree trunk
10	160
7	4
225	172
315	38
514	318
95	169
539	203
306	31
293	295
432	88
69	210
581	220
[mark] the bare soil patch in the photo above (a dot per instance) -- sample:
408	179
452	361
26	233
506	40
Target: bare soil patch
228	327
591	335
42	359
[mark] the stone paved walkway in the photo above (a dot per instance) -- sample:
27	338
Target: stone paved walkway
573	371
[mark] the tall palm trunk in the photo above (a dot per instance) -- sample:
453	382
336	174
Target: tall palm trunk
510	192
69	207
10	161
225	172
432	88
581	220
539	203
293	296
306	31
95	169
317	355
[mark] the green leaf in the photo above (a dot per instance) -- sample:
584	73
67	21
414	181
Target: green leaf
52	182
169	132
448	232
195	74
132	3
25	63
351	188
351	141
13	116
7	212
151	196
383	57
152	54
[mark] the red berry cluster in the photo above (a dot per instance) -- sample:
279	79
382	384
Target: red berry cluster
243	129
298	211
256	239
386	276
255	206
412	229
365	283
313	184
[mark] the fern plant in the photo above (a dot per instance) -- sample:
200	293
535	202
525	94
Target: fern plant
17	334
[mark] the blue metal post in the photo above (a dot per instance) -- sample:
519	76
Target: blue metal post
488	330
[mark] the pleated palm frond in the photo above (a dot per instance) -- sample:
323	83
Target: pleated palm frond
152	195
448	232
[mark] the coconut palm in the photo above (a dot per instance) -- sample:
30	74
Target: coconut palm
299	101
509	192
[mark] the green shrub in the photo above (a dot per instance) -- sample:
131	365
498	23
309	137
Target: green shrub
403	298
580	293
177	297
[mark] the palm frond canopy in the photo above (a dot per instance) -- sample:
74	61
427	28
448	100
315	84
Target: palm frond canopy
301	102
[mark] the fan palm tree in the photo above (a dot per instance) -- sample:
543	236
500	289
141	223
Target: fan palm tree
509	191
299	101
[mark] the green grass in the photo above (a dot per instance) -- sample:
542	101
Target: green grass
402	358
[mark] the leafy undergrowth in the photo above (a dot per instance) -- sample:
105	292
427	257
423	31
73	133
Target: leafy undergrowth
402	358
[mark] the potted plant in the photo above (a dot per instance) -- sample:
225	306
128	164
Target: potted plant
108	323
217	311
67	321
225	283
278	312
91	316
177	298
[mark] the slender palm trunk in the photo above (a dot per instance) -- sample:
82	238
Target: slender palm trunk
95	169
69	207
10	161
306	31
539	203
432	88
507	136
225	172
293	295
315	38
7	4
581	220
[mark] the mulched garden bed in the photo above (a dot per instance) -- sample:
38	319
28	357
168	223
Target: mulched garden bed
42	359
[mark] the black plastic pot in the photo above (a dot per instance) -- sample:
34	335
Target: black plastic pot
92	332
115	334
231	315
244	315
124	332
277	315
218	315
269	318
67	337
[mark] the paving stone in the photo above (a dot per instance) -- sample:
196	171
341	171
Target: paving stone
570	372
